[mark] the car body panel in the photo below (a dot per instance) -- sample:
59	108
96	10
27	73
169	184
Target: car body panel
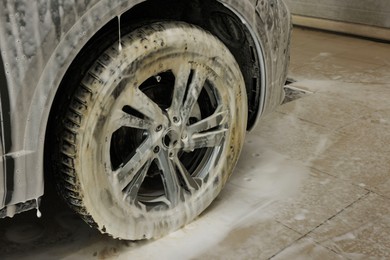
40	39
271	26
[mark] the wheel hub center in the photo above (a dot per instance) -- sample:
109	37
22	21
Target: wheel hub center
170	138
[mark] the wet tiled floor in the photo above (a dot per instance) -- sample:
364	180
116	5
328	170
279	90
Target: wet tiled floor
341	132
313	181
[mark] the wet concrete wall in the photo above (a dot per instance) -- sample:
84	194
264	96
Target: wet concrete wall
368	12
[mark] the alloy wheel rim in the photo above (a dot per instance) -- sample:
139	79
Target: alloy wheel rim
178	143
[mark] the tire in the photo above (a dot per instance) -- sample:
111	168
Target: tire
152	132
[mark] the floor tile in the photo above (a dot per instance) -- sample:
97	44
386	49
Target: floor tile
331	112
361	231
303	57
300	36
373	53
288	135
360	153
382	75
337	69
374	96
259	241
322	196
307	248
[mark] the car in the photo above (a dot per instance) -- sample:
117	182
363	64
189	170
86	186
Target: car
137	110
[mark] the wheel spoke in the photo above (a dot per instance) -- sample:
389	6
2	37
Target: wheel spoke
203	140
135	184
191	183
146	106
194	89
181	81
126	173
211	164
217	119
123	119
171	182
140	102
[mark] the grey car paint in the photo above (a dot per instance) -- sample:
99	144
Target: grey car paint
38	42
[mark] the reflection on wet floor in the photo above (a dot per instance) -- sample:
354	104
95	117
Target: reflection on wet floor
312	182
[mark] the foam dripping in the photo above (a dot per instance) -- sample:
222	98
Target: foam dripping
39	213
119	34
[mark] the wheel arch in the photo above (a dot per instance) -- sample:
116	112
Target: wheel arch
93	23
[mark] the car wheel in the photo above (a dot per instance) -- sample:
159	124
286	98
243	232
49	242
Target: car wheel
153	131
